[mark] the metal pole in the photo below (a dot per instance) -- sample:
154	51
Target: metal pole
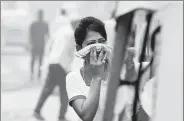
115	9
116	66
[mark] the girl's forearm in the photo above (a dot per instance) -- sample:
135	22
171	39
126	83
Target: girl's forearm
90	105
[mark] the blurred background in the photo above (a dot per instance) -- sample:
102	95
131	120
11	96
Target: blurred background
18	94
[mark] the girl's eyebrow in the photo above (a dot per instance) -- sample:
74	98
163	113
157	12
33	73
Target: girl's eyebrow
97	39
90	41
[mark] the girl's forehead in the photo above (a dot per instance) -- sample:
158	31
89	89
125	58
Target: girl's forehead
92	35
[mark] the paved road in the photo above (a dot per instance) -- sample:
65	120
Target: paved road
18	106
18	96
14	70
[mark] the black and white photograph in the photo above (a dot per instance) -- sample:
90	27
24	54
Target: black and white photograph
92	60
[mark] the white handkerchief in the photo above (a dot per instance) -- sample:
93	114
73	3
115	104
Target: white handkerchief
83	52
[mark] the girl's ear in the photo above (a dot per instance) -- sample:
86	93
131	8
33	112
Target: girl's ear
78	47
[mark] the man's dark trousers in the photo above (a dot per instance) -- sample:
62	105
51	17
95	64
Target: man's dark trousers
36	54
56	77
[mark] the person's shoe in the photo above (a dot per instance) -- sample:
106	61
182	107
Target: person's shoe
38	116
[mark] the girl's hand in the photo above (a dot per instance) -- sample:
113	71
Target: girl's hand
97	63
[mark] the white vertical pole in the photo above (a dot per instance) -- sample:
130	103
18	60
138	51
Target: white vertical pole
170	73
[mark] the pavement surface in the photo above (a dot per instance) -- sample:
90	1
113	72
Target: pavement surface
19	95
19	106
14	69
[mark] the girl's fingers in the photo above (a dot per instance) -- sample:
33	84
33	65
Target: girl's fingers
105	57
101	55
91	56
94	54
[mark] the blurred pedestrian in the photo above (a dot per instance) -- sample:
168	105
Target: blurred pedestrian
39	32
58	21
60	57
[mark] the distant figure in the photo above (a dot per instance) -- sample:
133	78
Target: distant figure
58	21
39	32
60	51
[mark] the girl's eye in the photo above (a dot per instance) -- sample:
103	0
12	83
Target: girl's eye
101	40
92	42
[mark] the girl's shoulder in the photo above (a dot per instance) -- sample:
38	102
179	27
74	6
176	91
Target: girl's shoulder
73	74
75	77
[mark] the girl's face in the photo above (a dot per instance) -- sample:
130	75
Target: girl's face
92	37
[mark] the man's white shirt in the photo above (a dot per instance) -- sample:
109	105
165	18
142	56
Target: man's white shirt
62	45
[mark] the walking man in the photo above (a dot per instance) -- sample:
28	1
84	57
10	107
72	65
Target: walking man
59	62
39	32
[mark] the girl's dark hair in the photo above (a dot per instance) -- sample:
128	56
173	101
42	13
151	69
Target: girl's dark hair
89	23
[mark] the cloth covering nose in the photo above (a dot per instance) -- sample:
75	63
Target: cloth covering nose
83	52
